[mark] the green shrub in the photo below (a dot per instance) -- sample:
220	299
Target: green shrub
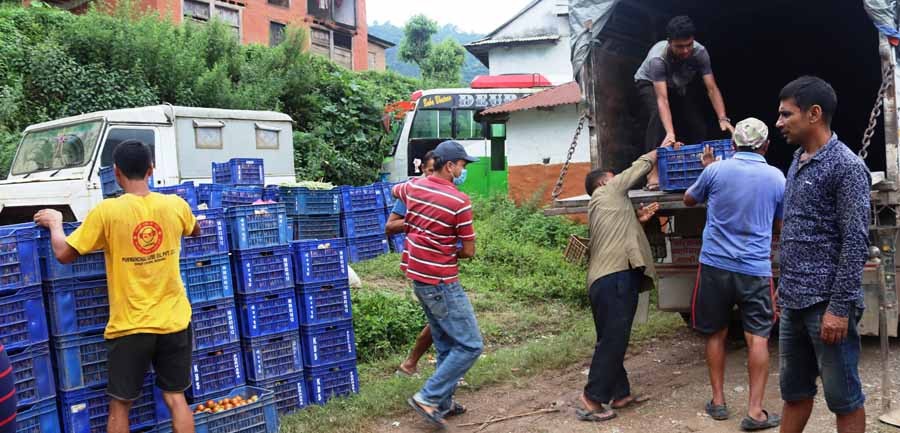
385	323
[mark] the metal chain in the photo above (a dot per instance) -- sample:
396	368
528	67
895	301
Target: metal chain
886	81
557	190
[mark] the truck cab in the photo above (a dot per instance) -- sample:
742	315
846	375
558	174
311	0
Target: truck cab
756	47
57	163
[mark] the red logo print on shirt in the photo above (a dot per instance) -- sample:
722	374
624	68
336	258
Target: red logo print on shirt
147	237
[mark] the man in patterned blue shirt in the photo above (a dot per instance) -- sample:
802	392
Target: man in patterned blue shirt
824	246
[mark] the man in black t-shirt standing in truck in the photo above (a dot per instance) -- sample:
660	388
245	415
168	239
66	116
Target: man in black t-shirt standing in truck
664	81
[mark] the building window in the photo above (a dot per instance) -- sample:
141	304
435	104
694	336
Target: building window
373	61
201	11
333	45
196	10
280	3
276	33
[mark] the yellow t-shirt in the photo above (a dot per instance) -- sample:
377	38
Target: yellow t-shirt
141	237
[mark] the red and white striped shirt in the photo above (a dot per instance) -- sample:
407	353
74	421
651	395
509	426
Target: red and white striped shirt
437	216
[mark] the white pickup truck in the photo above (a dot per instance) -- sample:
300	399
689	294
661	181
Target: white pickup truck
57	163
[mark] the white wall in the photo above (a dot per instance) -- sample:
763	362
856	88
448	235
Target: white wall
548	58
533	135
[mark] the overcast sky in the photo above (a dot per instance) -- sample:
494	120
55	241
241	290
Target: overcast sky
474	16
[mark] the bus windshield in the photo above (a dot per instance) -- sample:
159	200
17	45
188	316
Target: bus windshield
57	148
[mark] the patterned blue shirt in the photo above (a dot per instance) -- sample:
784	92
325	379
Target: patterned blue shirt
824	243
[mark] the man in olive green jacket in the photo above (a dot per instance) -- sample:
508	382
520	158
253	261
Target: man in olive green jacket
621	265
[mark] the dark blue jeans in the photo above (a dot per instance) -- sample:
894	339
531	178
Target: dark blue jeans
804	356
614	300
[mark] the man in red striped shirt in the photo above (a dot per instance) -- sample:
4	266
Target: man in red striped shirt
438	215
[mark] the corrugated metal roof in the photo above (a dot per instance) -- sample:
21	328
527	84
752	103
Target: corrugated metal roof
563	94
504	41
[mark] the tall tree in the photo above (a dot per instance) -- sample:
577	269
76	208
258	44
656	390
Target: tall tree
416	44
444	63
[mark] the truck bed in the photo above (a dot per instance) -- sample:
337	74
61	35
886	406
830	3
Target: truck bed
668	201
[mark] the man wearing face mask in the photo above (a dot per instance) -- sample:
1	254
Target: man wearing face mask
439	215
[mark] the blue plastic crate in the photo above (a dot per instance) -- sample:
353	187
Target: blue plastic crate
360	198
214	324
324	302
679	169
304	201
23	321
290	392
213	237
207	278
41	417
367	247
76	306
272	356
267	313
318	261
389	198
366	223
216	371
258	417
186	191
33	373
315	227
87	410
331	380
262	270
109	186
239	171
257	226
80	361
398	242
19	262
271	193
91	265
231	196
328	343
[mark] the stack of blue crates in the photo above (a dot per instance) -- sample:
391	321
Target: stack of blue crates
312	214
206	272
363	220
186	191
24	326
108	184
326	318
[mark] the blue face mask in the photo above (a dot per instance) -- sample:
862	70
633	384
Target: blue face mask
462	178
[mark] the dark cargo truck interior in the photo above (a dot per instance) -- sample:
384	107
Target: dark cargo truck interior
756	47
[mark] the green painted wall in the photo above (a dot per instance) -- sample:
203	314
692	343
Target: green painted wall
482	181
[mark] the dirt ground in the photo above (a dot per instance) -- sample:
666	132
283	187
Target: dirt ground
672	371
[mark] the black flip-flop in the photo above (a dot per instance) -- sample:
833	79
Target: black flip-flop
593	415
636	400
718	412
433	418
456	410
750	424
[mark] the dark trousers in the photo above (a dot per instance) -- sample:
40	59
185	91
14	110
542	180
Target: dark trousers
614	300
687	116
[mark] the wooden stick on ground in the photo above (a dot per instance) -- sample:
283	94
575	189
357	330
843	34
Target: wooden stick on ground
521	415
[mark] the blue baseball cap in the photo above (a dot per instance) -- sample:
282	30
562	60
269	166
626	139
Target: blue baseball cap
452	151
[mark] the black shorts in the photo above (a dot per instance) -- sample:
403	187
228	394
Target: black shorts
717	292
130	357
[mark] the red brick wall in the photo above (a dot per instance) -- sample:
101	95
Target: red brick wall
361	39
258	13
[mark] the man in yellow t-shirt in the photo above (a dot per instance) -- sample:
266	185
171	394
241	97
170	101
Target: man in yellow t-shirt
149	312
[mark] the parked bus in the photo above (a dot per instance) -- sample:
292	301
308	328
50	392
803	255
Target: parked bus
451	114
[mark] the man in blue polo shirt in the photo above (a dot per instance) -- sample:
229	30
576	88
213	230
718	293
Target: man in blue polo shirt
744	198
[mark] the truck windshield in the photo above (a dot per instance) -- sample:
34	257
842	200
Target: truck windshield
57	148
